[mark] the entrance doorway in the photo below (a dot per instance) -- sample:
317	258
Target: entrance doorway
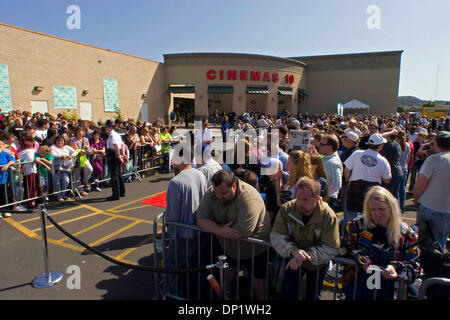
185	107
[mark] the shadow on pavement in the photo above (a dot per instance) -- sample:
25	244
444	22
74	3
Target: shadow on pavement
129	284
123	243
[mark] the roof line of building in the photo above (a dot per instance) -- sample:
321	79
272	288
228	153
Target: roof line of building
377	53
74	42
230	54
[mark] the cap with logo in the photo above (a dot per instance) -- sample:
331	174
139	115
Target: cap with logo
270	166
351	136
377	139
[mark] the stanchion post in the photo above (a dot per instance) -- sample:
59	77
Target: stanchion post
222	264
49	278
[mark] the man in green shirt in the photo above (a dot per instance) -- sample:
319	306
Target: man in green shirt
166	139
306	230
232	209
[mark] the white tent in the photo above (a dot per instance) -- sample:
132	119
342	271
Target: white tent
355	104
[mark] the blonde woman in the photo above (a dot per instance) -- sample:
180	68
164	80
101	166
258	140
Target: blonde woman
299	166
380	241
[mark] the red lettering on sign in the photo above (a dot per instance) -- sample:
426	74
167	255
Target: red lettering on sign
255	76
266	76
211	74
221	74
243	75
291	79
231	74
287	78
275	77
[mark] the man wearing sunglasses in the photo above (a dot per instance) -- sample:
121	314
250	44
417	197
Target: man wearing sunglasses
364	142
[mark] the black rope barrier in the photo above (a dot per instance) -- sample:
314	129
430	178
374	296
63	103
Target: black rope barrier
123	264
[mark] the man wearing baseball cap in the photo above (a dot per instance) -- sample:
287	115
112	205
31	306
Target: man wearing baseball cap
364	169
350	142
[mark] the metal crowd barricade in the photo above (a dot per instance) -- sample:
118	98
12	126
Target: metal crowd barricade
432	282
14	189
162	244
147	159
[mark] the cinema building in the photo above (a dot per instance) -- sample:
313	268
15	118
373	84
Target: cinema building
40	72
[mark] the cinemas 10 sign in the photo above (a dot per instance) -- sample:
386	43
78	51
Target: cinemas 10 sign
245	75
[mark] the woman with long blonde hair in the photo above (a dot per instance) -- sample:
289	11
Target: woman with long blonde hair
299	166
379	240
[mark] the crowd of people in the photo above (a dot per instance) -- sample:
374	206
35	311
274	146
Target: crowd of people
363	165
45	155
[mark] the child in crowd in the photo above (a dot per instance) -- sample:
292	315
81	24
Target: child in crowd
6	160
98	146
29	170
44	159
126	165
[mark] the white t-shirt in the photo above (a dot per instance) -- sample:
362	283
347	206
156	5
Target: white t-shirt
114	138
436	168
203	135
261	123
412	137
41	134
57	153
209	169
368	165
28	155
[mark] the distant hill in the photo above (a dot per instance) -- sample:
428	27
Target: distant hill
410	101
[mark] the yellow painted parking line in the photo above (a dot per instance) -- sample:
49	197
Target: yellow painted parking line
119	216
133	208
134	201
21	228
52	214
68	221
89	228
114	234
137	246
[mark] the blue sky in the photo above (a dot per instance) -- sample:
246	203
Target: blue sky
286	28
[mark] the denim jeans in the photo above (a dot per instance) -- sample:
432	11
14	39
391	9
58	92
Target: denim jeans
291	283
414	172
61	181
394	185
402	191
439	223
